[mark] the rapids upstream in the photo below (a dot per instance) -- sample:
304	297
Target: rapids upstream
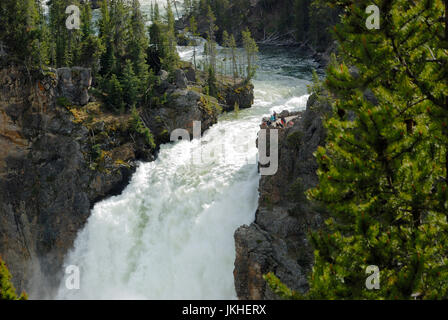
169	235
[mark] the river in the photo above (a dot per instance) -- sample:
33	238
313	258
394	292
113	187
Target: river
169	235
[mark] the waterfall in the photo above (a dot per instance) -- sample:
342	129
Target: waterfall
169	235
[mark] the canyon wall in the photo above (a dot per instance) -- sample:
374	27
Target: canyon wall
277	240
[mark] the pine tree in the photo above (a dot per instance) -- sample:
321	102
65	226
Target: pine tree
157	49
194	33
156	12
103	23
136	125
114	34
232	45
114	99
137	46
65	49
119	23
212	89
130	84
7	290
211	39
162	51
91	47
107	61
171	59
251	49
22	32
382	174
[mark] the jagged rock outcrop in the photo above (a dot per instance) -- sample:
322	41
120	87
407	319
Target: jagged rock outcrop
183	101
181	108
277	240
178	107
241	94
74	84
230	91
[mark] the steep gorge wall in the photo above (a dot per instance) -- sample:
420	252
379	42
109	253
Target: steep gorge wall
277	240
46	185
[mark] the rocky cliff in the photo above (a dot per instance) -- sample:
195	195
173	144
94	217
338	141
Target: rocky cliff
188	87
277	240
60	152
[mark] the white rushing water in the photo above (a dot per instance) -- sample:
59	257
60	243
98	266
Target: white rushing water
169	235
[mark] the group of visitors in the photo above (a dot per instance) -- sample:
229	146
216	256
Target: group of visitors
273	120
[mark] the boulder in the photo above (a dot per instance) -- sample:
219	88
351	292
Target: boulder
163	75
74	84
180	79
241	93
190	74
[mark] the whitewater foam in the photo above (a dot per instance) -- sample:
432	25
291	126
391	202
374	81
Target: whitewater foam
169	235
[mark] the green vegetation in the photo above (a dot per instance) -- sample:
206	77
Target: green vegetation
7	290
162	52
137	125
279	288
384	175
23	32
251	50
383	172
121	54
114	95
124	71
232	63
306	21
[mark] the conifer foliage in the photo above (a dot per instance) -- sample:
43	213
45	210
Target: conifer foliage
7	290
383	173
22	31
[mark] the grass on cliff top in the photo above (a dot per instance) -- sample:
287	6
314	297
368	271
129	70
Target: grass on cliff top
94	113
112	136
